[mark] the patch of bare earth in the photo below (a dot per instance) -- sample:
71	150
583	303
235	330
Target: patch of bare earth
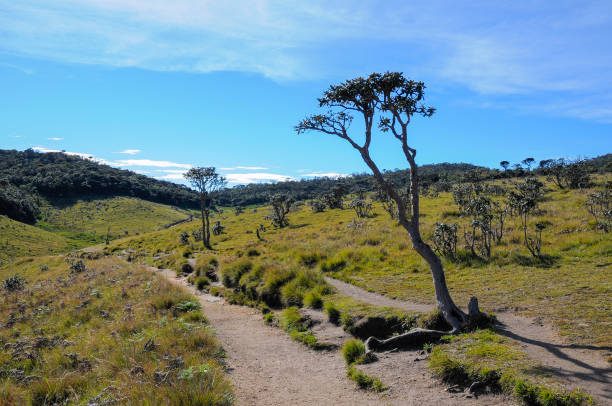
578	366
268	368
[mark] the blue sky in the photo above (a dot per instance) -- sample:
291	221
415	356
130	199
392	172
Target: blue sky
158	86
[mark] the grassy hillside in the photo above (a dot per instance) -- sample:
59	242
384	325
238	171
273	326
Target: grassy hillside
124	215
108	333
570	288
18	240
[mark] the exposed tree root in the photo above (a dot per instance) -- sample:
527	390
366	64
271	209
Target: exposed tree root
419	336
414	338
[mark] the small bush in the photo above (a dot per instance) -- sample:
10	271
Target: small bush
313	300
333	314
269	319
233	273
353	351
347	321
78	266
333	265
202	282
188	306
364	381
252	252
14	283
309	259
186	268
290	319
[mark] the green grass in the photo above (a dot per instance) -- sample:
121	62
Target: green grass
112	326
86	222
19	240
570	291
292	322
494	361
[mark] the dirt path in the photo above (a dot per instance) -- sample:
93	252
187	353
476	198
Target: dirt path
579	366
268	368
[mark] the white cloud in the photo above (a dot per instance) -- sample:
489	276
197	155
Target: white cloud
55	139
80	154
171	176
129	151
325	175
150	162
256	177
246	168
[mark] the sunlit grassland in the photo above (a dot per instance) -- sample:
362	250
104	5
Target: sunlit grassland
114	331
571	291
120	216
18	239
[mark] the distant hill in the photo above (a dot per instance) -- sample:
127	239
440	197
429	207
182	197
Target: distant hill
27	175
307	189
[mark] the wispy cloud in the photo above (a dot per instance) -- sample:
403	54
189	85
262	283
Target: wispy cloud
325	175
55	139
83	155
129	151
558	51
150	162
245	168
256	177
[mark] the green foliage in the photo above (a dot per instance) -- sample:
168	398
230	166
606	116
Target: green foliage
364	381
291	319
313	299
202	282
56	174
269	319
333	314
353	351
233	273
14	283
17	204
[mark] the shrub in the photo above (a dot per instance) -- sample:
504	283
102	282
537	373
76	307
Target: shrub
252	252
333	314
14	283
347	321
293	292
202	282
333	265
273	281
186	268
187	252
184	238
188	306
364	381
313	299
78	266
233	273
353	351
290	319
309	259
269	319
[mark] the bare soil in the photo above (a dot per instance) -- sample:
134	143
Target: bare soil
577	366
268	368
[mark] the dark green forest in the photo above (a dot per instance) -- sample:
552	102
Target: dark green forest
26	177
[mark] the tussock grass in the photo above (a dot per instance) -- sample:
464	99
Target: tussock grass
485	357
110	332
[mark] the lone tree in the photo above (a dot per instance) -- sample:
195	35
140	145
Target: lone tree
281	205
504	164
391	100
206	181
